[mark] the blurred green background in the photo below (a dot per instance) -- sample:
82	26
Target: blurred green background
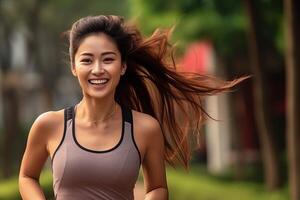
244	156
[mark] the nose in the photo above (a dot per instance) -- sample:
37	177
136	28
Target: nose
98	68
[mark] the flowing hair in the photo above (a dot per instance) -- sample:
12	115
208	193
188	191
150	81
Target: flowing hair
152	84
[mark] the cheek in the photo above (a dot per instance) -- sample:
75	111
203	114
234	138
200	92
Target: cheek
81	75
115	75
114	69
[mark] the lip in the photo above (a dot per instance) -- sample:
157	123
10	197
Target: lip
98	79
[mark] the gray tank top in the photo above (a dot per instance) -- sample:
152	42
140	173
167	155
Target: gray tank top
83	174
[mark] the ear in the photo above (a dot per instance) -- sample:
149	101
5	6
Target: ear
74	72
123	70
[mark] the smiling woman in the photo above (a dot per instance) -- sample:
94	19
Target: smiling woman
125	120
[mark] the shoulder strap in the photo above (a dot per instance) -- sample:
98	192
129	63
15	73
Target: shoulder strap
127	114
128	118
69	113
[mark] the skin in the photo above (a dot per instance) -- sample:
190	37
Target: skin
97	57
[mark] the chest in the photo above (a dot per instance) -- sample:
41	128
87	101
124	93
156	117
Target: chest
76	165
101	137
101	168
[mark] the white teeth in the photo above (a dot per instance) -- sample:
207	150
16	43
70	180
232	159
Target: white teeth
98	81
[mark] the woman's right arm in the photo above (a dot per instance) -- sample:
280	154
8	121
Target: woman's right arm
34	158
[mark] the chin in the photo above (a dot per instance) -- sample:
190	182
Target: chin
99	94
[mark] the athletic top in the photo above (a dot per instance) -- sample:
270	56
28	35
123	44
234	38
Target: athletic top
80	173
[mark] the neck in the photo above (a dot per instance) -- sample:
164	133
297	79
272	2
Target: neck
94	111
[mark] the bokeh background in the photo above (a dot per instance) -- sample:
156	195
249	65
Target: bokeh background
251	152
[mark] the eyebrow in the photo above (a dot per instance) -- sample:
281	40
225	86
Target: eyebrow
103	54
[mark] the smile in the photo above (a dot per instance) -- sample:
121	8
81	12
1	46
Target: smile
98	81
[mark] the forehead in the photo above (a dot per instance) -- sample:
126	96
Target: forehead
97	43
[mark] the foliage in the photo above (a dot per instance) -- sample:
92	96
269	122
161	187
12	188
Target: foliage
224	25
222	22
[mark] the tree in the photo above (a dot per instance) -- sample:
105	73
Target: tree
268	144
292	14
8	90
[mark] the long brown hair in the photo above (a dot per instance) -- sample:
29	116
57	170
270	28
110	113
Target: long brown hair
152	84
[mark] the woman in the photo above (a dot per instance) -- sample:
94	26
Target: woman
125	119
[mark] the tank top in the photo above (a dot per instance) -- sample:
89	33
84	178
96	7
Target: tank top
80	173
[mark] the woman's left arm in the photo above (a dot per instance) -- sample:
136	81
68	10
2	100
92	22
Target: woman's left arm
154	171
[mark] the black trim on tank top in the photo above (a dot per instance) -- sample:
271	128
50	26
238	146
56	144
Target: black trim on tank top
127	114
67	114
70	112
98	151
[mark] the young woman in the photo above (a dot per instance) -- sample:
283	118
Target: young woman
127	116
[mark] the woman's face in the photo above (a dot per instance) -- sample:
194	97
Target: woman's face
98	65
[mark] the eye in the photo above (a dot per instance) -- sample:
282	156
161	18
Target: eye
108	60
86	61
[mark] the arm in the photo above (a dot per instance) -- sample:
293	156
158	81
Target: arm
33	160
154	165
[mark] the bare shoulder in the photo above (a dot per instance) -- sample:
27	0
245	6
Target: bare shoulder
146	123
45	123
50	119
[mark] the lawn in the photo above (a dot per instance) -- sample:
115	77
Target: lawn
9	188
198	185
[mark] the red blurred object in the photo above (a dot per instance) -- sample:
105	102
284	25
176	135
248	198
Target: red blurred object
198	57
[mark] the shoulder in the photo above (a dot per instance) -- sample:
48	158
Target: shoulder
49	119
45	123
148	123
147	127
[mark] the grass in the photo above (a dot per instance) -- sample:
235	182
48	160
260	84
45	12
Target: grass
195	185
198	185
9	188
